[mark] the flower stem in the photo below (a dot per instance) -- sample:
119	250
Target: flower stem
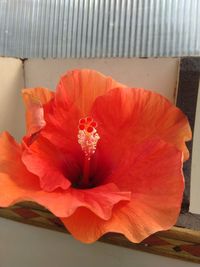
86	171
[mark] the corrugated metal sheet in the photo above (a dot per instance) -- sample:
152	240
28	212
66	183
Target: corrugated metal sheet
99	28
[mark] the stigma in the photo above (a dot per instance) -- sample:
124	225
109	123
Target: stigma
88	136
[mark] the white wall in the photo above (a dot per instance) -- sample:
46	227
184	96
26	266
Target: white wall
157	74
195	181
11	106
28	246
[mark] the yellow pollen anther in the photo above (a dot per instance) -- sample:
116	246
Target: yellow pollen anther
88	136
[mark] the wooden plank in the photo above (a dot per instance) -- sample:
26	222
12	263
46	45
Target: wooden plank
181	234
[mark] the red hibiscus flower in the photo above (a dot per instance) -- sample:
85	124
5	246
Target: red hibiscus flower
100	156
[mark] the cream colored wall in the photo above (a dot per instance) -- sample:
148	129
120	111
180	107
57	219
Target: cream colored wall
27	246
159	75
23	245
195	181
11	107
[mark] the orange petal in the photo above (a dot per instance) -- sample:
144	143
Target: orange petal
17	184
50	165
99	200
62	127
153	168
156	181
81	87
34	99
128	116
11	165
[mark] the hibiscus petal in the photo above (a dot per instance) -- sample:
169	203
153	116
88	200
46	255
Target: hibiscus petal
10	164
34	99
55	155
128	116
49	164
100	200
81	87
133	220
62	127
75	94
156	181
146	170
17	184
